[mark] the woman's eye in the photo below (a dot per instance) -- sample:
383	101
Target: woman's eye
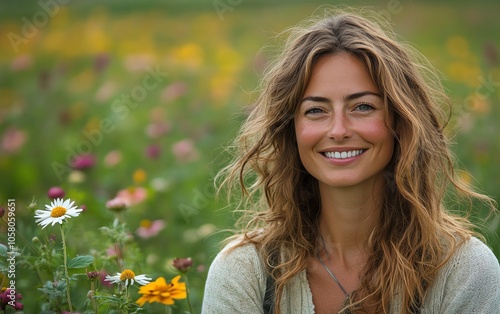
364	107
313	111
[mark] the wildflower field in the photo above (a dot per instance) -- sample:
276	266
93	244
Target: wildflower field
114	118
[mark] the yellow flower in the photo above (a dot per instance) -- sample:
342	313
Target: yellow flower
139	176
162	292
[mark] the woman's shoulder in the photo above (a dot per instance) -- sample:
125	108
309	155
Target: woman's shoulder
468	283
474	253
472	262
240	257
473	258
236	280
238	249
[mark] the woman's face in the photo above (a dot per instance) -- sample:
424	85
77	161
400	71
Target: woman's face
341	128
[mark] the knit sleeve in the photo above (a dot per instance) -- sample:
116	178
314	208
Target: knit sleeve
471	282
235	283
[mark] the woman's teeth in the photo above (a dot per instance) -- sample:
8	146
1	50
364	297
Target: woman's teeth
343	155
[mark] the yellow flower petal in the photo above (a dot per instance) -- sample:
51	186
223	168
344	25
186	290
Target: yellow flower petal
162	292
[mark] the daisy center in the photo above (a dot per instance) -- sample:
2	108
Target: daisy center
58	212
127	274
146	223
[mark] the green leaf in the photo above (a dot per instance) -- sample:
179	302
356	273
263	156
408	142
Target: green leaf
3	250
80	261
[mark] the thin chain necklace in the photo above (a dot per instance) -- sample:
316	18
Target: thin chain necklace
327	269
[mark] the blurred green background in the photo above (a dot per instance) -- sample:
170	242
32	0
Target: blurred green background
153	91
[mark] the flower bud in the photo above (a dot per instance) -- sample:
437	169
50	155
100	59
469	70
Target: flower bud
55	192
33	205
182	264
93	275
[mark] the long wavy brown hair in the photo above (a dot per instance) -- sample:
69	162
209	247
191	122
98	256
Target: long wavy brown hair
416	234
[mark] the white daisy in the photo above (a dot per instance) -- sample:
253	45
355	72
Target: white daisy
127	276
56	212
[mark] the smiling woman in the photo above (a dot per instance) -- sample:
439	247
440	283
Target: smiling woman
342	134
346	156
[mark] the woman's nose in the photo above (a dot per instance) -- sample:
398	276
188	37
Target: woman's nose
340	127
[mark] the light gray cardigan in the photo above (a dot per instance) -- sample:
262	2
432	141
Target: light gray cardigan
469	283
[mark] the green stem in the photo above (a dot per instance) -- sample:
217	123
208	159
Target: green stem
187	295
39	274
66	275
126	298
94	301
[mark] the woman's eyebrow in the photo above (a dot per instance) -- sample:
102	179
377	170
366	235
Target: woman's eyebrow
360	94
316	99
346	98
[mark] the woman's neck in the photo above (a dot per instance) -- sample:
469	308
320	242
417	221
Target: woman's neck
347	218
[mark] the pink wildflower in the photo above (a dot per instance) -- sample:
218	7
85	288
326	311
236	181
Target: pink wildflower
21	63
150	228
132	195
117	204
185	151
13	140
82	162
113	158
174	91
153	151
9	297
158	129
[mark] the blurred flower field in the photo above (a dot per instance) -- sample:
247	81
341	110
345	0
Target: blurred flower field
126	108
